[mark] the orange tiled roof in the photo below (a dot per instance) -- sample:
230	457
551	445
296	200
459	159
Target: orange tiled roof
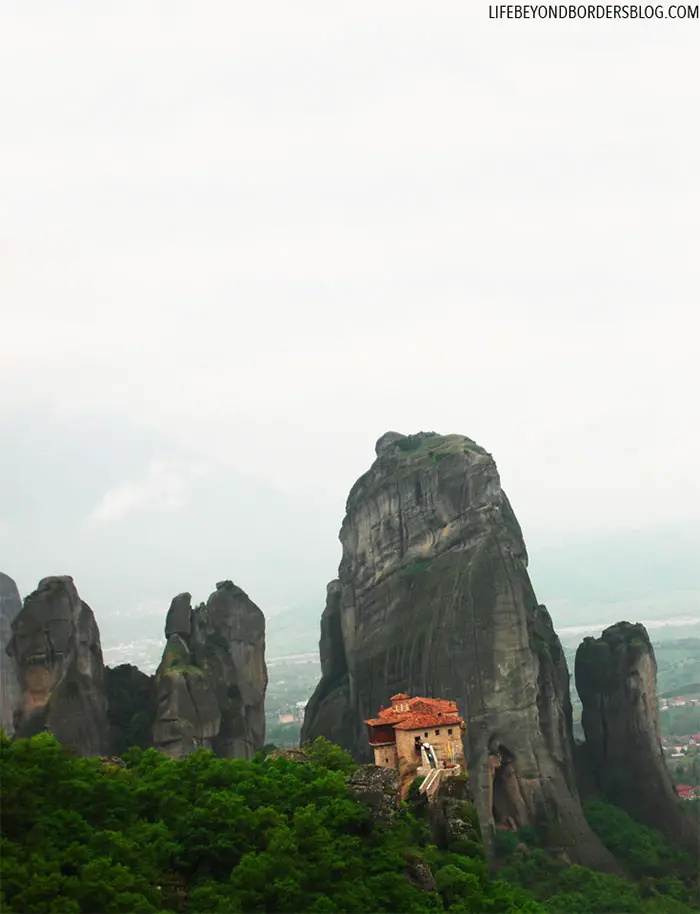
422	712
420	721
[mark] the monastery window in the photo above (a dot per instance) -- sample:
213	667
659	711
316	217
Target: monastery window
449	732
426	732
437	733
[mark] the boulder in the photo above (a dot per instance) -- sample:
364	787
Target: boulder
56	646
10	605
616	681
433	598
419	873
378	788
210	685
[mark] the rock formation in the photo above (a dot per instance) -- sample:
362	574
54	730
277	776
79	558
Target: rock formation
433	598
616	681
56	646
130	707
453	818
210	685
10	605
377	788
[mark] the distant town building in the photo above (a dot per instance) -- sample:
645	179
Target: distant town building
418	736
286	718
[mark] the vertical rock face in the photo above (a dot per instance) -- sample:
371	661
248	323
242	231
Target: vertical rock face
210	685
453	818
10	605
433	598
56	646
616	681
130	707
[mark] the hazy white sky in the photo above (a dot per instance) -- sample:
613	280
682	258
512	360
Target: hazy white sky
260	235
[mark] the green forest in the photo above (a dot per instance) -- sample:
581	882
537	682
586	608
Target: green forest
208	834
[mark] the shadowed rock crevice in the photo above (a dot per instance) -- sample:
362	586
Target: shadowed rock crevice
210	685
622	756
508	805
433	598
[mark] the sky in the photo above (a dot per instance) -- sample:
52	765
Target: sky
239	242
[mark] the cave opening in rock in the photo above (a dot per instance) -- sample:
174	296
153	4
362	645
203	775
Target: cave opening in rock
507	803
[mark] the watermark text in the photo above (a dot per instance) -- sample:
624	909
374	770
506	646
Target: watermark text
593	11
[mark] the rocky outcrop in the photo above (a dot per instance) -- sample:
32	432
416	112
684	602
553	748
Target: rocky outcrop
130	707
56	646
417	871
210	685
616	681
377	788
433	598
454	820
10	605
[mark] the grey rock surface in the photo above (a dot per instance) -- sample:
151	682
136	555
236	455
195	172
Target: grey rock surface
378	788
56	647
433	598
210	685
616	681
419	873
10	605
453	818
179	618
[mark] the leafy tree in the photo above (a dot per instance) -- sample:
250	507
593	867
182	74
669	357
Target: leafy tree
226	835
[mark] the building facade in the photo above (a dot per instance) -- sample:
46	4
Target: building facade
398	735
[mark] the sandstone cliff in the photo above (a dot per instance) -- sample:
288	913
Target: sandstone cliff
210	685
433	598
10	605
616	681
56	646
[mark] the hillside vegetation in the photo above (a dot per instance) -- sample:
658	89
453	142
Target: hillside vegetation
208	834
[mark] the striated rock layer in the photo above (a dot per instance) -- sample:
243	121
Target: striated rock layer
10	605
210	685
616	681
56	646
433	598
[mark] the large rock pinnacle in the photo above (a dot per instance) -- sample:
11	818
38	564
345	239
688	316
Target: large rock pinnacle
56	646
616	681
433	598
211	682
10	692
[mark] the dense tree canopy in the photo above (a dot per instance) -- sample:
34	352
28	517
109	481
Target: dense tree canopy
273	834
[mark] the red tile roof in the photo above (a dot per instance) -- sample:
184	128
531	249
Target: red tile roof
421	713
423	721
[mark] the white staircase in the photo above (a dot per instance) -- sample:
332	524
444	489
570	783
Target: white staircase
434	778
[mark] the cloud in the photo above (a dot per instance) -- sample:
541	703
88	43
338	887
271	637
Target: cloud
269	233
163	487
